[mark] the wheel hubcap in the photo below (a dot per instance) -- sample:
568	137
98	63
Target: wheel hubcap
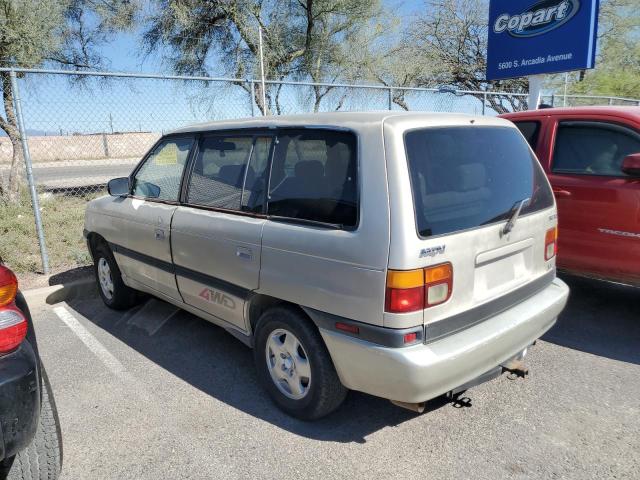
288	364
104	277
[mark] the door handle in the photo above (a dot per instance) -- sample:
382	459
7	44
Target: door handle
561	193
244	252
159	234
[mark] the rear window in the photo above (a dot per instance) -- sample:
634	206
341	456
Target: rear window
466	177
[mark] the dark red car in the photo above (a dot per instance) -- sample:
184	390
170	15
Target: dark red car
592	158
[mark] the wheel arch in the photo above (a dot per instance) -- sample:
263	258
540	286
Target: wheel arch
260	303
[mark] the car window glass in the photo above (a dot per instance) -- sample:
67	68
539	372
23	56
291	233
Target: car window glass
226	172
160	175
313	177
593	149
530	132
254	191
466	177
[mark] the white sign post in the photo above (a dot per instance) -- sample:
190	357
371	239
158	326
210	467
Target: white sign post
535	88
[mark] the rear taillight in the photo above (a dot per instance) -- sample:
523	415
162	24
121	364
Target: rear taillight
551	243
13	324
438	282
13	329
413	290
8	286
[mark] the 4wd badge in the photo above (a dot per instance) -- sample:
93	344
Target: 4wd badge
213	296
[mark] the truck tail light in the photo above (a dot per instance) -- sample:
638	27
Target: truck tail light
413	290
551	243
13	324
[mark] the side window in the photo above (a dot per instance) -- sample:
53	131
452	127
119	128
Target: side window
593	148
228	171
530	131
160	175
314	177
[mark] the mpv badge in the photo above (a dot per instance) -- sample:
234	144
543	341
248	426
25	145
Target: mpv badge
541	17
432	252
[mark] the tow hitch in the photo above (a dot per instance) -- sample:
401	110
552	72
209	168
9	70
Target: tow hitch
516	367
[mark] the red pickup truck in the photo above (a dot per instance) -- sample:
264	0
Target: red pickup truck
592	158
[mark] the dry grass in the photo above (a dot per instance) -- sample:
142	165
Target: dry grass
63	219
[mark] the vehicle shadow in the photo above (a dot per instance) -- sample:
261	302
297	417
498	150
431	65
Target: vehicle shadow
601	318
211	360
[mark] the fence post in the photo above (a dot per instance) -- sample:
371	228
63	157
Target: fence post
27	162
484	102
390	98
253	92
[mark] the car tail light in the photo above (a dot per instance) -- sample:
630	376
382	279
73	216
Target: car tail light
413	290
13	324
551	243
405	291
13	329
8	286
438	282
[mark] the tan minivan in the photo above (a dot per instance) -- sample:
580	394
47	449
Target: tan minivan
405	255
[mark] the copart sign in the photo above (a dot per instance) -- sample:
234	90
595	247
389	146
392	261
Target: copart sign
532	37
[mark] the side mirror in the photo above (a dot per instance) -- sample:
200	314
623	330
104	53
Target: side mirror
631	165
118	187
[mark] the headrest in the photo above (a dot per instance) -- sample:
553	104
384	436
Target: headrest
234	174
472	176
309	169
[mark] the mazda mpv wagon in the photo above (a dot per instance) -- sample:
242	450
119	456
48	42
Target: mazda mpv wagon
405	255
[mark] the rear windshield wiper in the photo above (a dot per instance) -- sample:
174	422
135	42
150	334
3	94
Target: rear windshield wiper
514	214
305	221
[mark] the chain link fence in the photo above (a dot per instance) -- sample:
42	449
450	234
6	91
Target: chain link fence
83	128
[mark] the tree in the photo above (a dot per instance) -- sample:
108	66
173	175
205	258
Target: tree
448	45
303	39
40	32
617	69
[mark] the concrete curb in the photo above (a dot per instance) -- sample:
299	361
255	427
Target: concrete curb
60	293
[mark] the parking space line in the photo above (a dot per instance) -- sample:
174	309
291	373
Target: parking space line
92	343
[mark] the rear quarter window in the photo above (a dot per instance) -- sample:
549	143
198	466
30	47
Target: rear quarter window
530	130
466	177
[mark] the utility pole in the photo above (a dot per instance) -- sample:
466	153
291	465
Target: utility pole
264	95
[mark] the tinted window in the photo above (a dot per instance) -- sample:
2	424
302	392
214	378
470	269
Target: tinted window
592	148
160	175
313	177
464	177
530	132
227	171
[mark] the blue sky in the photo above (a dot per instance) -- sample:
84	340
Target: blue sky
53	105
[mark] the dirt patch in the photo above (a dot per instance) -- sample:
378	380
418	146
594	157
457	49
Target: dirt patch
62	275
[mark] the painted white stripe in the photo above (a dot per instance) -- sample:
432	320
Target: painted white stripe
111	362
592	27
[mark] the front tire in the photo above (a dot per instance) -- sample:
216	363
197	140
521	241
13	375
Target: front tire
42	459
294	366
114	293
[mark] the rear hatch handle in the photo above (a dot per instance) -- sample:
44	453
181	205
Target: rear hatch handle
514	214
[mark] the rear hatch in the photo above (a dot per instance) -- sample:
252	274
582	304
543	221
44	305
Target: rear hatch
482	204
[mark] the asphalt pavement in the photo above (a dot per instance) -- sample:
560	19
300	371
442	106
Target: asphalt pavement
155	392
79	173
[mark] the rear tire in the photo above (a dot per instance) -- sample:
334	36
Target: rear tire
42	459
114	293
294	365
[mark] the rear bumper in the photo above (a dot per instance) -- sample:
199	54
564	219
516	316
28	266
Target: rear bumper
19	400
421	372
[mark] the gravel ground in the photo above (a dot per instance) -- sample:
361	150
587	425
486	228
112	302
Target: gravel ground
163	394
